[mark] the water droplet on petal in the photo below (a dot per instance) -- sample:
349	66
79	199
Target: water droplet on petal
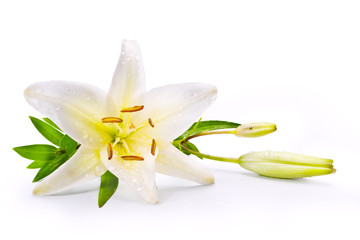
34	102
212	99
110	167
97	171
39	90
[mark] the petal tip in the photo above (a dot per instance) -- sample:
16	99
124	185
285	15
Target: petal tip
208	180
31	95
153	201
38	191
129	41
204	177
130	47
213	90
151	197
29	92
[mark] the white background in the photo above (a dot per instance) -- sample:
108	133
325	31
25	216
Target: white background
294	63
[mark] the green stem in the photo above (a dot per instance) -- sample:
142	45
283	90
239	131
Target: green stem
208	156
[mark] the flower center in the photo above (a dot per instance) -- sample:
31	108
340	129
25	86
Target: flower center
125	129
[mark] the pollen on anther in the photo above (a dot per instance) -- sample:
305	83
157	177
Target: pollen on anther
109	151
132	157
151	122
111	120
133	109
153	147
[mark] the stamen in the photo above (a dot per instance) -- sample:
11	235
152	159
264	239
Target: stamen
109	151
132	157
111	120
151	122
153	147
133	109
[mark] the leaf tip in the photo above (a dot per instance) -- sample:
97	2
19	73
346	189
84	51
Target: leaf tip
34	181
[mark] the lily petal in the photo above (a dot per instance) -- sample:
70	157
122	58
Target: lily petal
83	166
139	175
173	108
76	107
171	161
129	78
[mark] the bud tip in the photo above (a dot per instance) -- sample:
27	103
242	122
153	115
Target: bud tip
255	129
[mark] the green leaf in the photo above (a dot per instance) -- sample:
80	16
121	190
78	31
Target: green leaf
51	166
204	126
199	127
191	146
39	152
49	132
51	123
36	164
109	184
69	145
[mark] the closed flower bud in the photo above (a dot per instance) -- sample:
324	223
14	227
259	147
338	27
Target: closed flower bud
286	165
255	129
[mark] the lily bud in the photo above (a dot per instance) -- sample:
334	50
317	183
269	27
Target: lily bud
285	164
255	129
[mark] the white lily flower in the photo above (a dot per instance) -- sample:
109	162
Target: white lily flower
127	131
